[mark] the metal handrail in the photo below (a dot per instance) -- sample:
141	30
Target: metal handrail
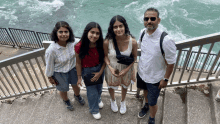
189	44
24	74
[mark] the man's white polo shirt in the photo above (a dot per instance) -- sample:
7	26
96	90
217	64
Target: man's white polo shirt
151	66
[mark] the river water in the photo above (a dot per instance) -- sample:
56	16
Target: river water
182	19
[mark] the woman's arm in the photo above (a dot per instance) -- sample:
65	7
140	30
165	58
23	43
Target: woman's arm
49	59
134	53
79	70
106	59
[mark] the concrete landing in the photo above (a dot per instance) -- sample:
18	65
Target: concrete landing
49	108
9	51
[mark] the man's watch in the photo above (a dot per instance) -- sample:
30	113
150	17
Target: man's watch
165	79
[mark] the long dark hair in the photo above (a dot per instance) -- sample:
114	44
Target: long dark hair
84	49
111	34
57	27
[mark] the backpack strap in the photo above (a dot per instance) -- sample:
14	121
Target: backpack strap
161	42
142	35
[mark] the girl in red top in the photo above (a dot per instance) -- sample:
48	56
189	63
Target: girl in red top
90	63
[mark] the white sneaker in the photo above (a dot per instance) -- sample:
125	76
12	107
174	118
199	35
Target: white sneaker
123	107
217	97
114	106
97	116
101	104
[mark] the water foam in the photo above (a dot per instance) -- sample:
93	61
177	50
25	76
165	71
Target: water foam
132	3
209	2
9	15
41	6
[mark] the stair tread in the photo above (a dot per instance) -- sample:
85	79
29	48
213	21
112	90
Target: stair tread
215	87
198	107
4	108
174	108
41	109
26	110
59	114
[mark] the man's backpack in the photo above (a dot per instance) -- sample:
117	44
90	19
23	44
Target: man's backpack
161	43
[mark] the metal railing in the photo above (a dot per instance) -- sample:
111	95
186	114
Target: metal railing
30	39
5	38
200	62
22	38
201	57
24	74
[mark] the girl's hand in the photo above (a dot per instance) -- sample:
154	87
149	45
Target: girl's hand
123	72
113	71
79	82
96	76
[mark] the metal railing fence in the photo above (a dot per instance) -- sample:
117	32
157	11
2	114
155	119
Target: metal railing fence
5	38
200	62
25	38
201	57
30	39
24	74
43	37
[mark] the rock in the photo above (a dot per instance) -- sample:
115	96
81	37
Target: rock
206	92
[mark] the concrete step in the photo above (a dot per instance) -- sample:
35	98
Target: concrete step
56	110
12	112
174	106
198	106
216	105
6	111
177	105
26	108
59	114
41	109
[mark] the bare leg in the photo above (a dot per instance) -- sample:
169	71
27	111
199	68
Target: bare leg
145	96
123	93
133	78
76	89
63	95
153	111
112	93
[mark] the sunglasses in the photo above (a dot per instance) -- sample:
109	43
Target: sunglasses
151	18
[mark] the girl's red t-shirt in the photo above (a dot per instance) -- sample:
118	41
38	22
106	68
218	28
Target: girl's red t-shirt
90	60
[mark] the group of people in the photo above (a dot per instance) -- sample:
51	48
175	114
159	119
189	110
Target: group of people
93	58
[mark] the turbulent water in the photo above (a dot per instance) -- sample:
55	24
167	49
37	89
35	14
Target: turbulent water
182	19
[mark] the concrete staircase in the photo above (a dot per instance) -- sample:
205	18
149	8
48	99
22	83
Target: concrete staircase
192	104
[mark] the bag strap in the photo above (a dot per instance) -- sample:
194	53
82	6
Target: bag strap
161	41
116	48
142	35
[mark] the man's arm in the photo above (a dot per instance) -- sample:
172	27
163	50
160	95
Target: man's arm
169	71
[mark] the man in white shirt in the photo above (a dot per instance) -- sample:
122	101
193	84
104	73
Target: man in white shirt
153	72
